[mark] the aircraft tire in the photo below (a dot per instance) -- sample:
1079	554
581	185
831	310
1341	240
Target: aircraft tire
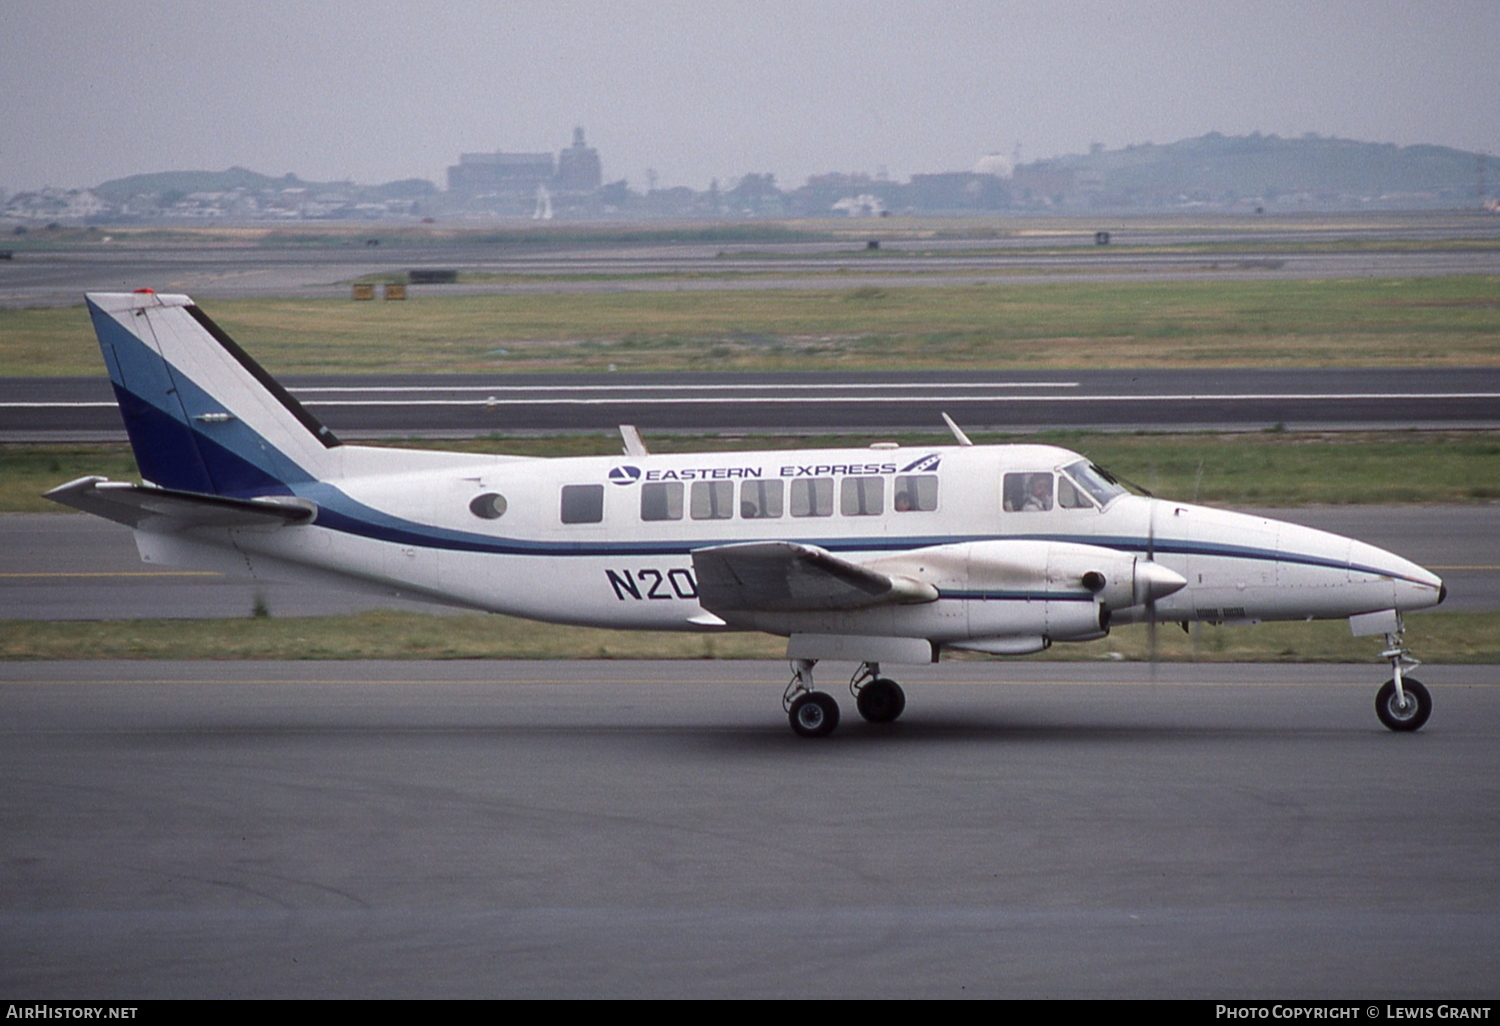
814	714
1418	705
881	701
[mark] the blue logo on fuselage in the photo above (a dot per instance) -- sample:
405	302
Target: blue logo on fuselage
926	463
625	475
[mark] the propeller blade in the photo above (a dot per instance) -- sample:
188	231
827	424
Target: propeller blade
1151	591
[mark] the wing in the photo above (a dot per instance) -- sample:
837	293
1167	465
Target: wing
786	577
164	509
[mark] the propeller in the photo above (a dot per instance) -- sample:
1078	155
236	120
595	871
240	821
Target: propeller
1151	591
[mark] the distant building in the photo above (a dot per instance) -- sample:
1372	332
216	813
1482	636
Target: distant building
501	174
578	167
523	183
957	190
1042	183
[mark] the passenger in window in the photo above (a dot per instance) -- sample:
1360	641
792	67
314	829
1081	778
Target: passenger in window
760	500
916	493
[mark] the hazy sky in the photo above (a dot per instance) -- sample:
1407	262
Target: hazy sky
373	91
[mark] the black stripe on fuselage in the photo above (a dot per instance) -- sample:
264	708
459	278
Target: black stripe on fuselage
270	384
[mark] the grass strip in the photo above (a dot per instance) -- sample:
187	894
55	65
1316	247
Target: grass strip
1447	321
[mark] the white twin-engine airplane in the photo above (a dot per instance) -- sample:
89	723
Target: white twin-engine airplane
871	556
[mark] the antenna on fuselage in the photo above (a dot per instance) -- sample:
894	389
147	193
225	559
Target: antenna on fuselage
632	439
958	432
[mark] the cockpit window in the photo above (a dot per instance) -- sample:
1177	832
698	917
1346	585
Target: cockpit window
1070	496
1028	493
1092	480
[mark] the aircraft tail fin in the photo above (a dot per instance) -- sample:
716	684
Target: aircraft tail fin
203	416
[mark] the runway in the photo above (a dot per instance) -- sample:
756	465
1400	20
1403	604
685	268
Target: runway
39	409
68	566
655	830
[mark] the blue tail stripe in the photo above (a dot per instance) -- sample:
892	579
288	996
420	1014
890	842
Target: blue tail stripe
165	450
157	400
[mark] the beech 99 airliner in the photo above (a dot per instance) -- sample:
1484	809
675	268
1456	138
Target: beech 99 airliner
872	556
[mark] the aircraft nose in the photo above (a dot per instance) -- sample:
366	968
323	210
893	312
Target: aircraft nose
1415	586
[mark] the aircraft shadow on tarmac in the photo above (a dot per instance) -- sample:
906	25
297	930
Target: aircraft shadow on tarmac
951	728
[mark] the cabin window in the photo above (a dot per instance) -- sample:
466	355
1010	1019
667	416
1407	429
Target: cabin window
582	504
812	497
713	500
489	506
1028	493
760	500
915	494
661	500
862	496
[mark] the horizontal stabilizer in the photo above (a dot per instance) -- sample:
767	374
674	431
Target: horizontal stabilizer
786	576
163	509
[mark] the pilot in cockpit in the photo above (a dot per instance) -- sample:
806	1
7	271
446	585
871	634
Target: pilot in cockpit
1038	494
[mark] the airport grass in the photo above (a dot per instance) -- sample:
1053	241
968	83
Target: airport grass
1434	637
1268	468
1444	321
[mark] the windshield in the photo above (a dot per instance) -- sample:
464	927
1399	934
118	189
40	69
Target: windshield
1102	488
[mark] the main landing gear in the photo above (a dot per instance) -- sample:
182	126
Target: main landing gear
816	713
879	699
1403	702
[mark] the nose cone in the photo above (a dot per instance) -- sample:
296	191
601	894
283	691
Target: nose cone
1415	587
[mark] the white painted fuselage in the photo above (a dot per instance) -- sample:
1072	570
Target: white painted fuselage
1001	573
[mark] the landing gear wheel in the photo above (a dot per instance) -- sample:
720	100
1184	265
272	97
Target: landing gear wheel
1403	717
881	701
814	714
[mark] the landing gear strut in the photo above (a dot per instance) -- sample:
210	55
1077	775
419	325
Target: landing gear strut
879	699
1402	703
811	713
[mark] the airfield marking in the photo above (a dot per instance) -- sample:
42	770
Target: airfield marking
493	401
118	573
794	387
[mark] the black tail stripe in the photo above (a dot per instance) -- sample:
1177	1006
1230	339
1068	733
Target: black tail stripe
269	383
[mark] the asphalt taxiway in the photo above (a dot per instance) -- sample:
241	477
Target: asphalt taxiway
655	829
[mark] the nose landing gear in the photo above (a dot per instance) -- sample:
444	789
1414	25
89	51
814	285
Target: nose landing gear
1403	703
